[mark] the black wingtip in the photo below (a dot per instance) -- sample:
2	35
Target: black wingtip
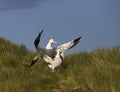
37	40
77	39
41	32
38	37
33	62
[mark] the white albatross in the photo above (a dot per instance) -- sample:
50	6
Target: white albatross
49	46
55	62
49	53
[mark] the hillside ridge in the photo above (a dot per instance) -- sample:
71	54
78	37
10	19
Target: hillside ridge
95	71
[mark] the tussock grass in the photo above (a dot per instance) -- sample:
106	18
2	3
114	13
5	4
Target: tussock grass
96	71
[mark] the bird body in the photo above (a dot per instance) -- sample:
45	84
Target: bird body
55	62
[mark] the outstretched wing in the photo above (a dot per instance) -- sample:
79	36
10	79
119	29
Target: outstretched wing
69	45
37	40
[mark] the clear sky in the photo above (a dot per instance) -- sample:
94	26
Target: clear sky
97	21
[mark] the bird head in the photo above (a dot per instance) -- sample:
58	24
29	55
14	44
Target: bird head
52	41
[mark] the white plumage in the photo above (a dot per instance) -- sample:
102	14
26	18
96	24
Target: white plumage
53	63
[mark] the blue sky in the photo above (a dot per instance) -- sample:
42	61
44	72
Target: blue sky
97	21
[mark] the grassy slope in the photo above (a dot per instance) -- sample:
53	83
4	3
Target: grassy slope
97	71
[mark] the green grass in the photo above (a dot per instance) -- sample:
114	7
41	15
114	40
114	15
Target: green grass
96	71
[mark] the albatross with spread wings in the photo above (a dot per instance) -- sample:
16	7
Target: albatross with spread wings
50	54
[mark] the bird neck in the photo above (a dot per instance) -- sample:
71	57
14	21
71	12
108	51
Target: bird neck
61	56
49	45
58	55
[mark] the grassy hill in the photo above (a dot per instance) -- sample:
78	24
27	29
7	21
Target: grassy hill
96	71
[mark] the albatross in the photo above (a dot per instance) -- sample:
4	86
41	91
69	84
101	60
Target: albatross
48	53
55	62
